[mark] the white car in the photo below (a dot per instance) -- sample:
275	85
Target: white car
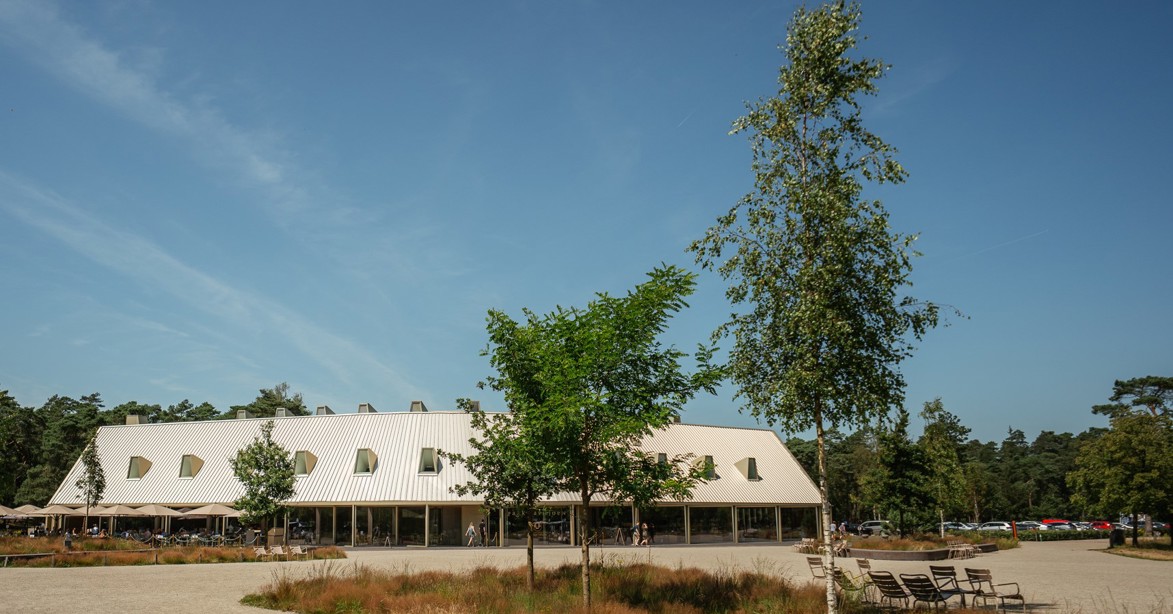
875	527
995	526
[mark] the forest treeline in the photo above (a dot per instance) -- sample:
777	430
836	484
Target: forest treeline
40	445
883	472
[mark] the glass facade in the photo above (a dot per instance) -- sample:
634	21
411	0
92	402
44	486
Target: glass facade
444	526
553	526
607	525
665	524
411	526
799	522
710	524
757	524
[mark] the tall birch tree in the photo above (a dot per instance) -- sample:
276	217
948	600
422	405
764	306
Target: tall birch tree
815	271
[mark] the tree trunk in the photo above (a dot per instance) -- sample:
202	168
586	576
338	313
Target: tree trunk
828	552
586	548
529	549
1135	543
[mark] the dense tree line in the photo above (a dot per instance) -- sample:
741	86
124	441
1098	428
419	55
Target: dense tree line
883	472
41	444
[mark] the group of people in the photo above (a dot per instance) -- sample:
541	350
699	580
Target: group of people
477	536
642	534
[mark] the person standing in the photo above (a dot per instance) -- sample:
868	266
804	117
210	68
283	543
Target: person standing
484	540
68	540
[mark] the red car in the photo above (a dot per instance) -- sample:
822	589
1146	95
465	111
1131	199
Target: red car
1101	525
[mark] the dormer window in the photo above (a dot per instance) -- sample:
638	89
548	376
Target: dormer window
304	461
190	466
662	458
429	462
749	468
710	468
139	467
365	462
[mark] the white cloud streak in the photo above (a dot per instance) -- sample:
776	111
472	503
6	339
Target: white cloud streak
151	266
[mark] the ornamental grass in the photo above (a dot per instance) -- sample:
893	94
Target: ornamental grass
616	589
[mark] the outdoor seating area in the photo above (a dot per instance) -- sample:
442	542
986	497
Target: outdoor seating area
934	590
153	526
961	550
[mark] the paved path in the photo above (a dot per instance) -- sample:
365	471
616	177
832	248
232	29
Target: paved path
1055	576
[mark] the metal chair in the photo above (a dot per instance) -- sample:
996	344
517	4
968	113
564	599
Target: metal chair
945	577
890	589
985	589
816	565
849	585
923	590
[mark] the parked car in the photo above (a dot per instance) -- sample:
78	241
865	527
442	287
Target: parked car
1059	526
1030	525
875	527
1101	525
994	526
954	526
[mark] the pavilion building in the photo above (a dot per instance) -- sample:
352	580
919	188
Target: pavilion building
376	478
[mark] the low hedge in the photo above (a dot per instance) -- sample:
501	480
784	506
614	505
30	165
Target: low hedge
1041	536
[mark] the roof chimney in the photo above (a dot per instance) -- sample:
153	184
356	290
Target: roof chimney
282	413
366	408
418	406
474	406
675	418
242	414
324	410
134	419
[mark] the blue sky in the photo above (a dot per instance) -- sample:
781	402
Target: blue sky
198	200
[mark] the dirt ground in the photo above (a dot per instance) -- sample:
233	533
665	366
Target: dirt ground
1068	576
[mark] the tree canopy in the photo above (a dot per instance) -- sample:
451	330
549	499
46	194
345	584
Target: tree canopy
270	400
587	385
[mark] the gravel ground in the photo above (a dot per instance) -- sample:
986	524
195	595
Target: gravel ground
1055	576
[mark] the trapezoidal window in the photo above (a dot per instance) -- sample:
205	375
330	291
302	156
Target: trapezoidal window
709	467
304	461
429	463
749	468
139	467
662	458
190	466
365	462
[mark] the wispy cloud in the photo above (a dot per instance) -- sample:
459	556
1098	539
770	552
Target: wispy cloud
905	84
63	49
151	266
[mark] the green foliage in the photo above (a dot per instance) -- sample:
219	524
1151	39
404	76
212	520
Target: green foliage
510	469
270	400
944	476
904	474
814	266
1128	469
587	385
92	481
265	469
1152	392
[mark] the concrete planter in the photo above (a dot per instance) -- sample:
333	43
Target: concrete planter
937	554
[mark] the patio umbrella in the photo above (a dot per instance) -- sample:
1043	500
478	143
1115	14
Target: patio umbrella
214	509
8	511
57	510
160	510
28	508
118	510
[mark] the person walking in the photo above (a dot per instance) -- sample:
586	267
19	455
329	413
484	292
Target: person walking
484	540
68	540
472	535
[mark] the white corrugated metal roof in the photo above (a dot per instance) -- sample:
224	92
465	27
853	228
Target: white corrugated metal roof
397	439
